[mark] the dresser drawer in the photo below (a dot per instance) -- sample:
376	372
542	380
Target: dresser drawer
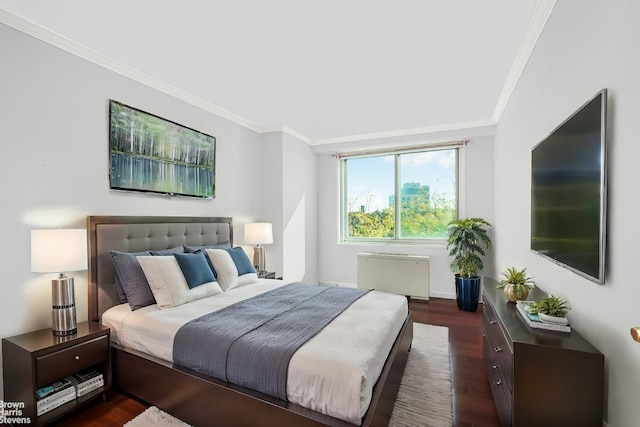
502	395
499	379
497	346
71	360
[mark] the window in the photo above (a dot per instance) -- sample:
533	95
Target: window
401	195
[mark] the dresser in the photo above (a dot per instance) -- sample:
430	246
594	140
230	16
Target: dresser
538	377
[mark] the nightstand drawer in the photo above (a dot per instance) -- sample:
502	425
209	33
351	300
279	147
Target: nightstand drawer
70	360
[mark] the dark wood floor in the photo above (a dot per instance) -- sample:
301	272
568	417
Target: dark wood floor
472	401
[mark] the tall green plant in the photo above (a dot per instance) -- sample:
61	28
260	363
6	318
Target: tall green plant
467	240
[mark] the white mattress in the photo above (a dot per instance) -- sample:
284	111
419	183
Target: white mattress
333	373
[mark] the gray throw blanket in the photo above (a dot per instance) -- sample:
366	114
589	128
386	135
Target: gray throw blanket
250	343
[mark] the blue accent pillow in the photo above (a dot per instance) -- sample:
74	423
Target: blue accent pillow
195	269
241	260
202	250
131	280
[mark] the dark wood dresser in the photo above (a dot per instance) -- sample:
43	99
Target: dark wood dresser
538	377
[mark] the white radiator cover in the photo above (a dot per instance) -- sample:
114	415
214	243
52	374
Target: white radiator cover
398	274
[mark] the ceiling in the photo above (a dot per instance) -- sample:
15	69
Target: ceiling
324	71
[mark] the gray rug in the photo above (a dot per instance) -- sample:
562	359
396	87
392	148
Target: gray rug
153	416
425	391
424	399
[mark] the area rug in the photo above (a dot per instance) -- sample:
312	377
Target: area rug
424	399
153	416
425	390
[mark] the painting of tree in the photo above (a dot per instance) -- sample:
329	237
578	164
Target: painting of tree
152	154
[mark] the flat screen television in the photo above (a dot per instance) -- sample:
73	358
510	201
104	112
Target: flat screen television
569	192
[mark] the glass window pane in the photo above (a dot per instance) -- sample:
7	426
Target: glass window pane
370	184
427	193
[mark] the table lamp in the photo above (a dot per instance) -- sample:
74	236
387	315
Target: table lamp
60	251
259	234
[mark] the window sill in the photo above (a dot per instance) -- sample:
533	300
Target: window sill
431	243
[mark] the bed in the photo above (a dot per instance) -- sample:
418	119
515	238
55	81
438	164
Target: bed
147	373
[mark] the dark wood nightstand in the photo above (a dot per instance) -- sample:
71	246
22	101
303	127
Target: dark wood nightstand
35	359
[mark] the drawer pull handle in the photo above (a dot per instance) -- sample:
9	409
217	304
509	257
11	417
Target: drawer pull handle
498	382
77	357
493	322
497	349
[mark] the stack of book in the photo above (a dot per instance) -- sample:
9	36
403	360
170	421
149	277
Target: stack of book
533	320
53	395
67	389
86	381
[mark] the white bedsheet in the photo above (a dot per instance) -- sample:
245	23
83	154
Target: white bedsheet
333	373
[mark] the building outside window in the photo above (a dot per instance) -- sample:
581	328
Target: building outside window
399	195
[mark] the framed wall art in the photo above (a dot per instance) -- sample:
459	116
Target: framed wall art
155	155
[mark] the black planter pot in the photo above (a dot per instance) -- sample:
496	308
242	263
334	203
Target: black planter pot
467	292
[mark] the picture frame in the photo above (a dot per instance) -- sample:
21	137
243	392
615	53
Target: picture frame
151	154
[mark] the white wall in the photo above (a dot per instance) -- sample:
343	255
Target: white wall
586	46
300	212
270	200
54	167
289	201
337	262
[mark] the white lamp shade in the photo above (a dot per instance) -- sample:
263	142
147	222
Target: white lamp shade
258	233
58	251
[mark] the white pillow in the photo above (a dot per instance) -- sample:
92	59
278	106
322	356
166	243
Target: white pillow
227	272
169	287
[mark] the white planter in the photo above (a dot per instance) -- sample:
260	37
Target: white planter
552	319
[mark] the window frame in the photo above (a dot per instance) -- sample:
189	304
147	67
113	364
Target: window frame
459	147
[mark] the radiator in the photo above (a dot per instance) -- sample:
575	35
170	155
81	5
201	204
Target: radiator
399	274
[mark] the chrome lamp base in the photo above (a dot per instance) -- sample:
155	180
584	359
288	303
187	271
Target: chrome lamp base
261	259
63	304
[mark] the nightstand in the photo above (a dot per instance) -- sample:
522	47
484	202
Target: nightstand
36	359
267	275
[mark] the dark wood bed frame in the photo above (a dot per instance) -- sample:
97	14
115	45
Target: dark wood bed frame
198	399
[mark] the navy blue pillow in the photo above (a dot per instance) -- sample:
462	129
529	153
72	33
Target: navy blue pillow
241	260
203	252
195	269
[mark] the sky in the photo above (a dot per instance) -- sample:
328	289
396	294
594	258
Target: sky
374	176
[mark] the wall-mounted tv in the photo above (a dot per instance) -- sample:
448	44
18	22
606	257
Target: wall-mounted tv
569	192
155	155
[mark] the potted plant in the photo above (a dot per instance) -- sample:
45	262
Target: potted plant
551	310
467	240
516	284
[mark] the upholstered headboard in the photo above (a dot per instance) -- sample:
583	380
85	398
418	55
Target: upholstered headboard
135	234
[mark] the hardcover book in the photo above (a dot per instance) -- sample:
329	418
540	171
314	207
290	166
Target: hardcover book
86	381
83	376
54	387
57	398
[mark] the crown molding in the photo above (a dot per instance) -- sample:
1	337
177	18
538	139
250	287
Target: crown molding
488	123
538	20
288	131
